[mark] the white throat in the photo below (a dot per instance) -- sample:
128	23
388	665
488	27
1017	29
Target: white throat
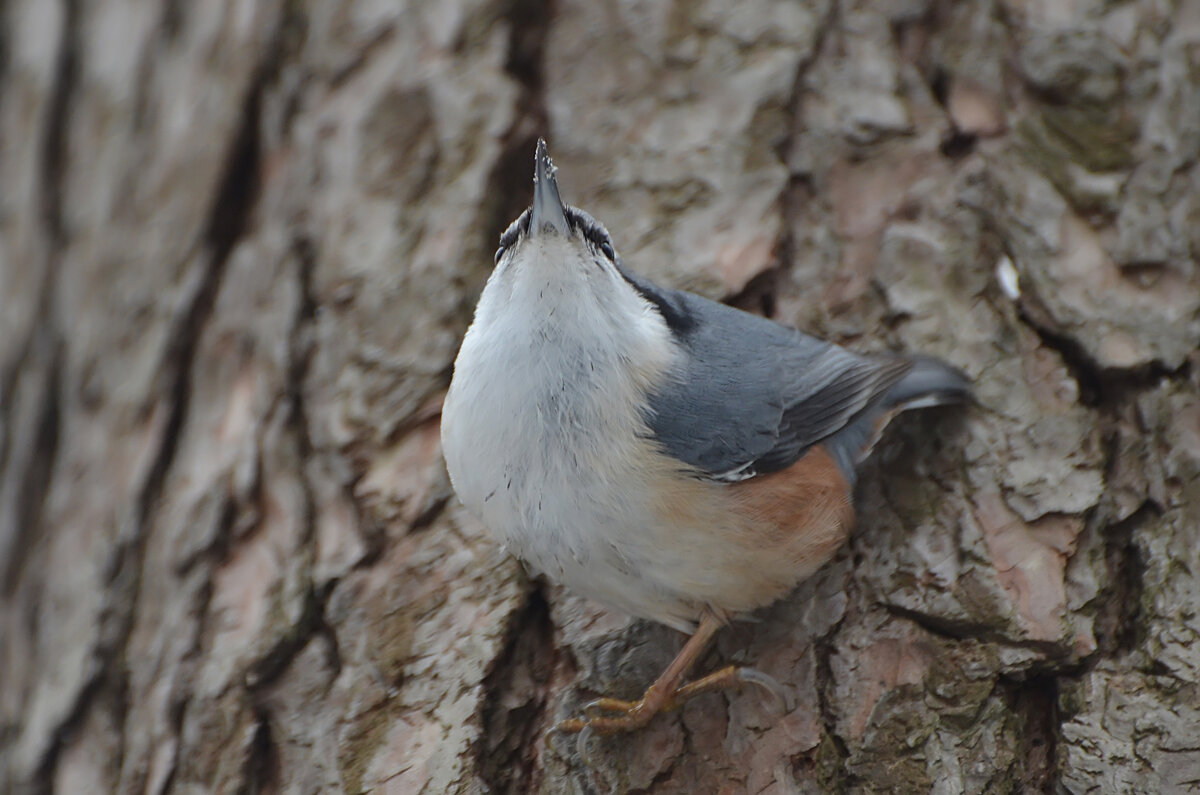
548	401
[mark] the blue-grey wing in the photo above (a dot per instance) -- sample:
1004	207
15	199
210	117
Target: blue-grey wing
751	396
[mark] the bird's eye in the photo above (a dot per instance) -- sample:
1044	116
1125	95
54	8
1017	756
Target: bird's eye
499	254
607	250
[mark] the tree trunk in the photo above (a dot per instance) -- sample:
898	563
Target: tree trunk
242	240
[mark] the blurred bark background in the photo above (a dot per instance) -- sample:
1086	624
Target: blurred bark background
242	239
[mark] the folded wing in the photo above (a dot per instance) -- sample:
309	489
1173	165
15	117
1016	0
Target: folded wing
751	396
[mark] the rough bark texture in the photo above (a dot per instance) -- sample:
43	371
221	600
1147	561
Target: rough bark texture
240	243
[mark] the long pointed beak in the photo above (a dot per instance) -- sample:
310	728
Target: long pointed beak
547	205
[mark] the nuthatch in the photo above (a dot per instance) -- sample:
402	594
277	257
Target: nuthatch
666	455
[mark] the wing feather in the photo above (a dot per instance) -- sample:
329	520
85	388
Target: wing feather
751	396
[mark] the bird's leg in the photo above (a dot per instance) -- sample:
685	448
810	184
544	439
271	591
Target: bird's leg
667	693
659	697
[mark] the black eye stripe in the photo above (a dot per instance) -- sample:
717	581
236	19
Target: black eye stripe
592	230
582	223
515	230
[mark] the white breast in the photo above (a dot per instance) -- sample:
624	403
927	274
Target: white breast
544	434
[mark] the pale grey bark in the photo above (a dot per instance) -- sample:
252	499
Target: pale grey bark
239	243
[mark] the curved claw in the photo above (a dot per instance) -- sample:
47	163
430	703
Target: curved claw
581	745
593	708
583	731
770	685
553	734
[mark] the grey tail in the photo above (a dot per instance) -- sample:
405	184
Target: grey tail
930	382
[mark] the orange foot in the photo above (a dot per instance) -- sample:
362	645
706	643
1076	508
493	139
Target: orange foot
662	696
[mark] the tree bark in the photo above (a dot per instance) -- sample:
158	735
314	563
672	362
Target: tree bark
242	240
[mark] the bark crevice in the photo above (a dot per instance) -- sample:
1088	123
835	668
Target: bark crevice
1117	620
517	703
1035	704
230	216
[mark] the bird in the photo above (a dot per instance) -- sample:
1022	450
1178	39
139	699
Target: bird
666	455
